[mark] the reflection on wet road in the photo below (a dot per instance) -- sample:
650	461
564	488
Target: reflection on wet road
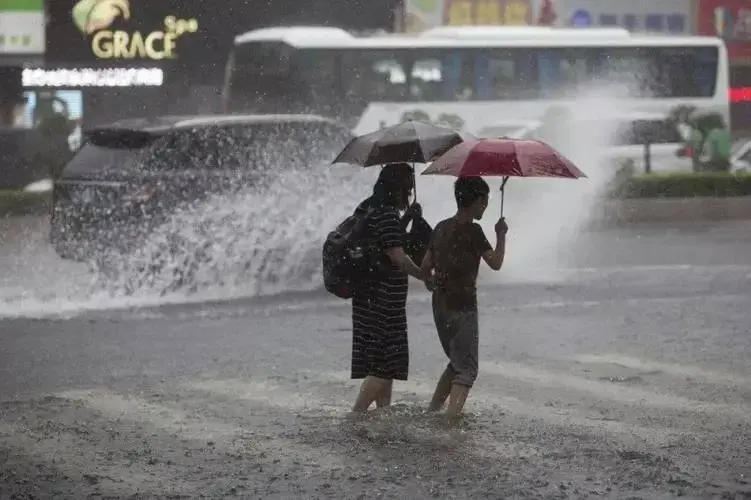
625	381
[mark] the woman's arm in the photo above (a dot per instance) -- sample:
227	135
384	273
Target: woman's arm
427	269
391	237
400	259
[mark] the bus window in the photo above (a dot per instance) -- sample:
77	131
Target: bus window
315	71
666	72
562	71
259	72
373	75
262	59
427	79
458	76
548	65
687	71
498	75
630	69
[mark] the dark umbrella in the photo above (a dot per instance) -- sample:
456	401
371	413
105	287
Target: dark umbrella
504	158
409	141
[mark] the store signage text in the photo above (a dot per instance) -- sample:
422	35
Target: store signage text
732	26
730	20
91	77
22	26
156	45
658	23
487	12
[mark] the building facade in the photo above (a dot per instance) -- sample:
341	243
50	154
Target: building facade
662	16
21	43
731	20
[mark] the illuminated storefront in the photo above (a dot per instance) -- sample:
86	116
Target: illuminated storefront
77	92
21	44
418	15
121	58
150	57
487	12
660	16
670	17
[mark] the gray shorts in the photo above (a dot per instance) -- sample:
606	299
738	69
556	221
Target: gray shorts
459	334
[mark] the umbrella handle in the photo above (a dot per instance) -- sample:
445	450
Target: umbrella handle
503	185
414	180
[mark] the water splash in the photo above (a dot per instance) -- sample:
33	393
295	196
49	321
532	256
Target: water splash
261	242
255	242
544	215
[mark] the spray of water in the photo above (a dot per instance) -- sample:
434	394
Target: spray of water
545	216
266	242
260	242
257	242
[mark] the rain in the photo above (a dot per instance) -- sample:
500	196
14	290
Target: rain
170	182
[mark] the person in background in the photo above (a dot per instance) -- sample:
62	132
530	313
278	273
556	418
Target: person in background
693	141
54	148
380	348
451	265
716	148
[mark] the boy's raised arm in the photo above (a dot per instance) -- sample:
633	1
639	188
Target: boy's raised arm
494	258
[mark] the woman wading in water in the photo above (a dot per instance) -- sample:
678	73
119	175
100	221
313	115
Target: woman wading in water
380	350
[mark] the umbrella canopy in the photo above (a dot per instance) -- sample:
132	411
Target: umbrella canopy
409	141
504	158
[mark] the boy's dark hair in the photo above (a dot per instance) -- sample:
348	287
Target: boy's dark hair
468	190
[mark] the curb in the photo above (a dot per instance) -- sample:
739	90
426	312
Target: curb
634	211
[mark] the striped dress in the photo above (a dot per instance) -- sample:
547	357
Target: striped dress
379	312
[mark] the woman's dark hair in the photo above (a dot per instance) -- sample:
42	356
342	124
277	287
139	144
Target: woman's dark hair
394	184
468	190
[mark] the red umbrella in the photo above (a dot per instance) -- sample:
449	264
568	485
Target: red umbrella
504	158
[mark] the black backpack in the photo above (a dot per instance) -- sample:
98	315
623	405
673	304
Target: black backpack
349	259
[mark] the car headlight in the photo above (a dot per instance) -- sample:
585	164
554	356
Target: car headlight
142	194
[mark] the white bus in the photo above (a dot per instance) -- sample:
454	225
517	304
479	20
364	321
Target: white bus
471	77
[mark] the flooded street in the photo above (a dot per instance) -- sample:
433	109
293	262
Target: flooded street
627	379
164	329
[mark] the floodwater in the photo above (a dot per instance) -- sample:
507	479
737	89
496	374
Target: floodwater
614	363
625	378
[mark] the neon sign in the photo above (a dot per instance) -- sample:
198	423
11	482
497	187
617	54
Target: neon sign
95	17
89	77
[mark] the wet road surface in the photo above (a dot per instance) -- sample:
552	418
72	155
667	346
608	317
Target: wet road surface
630	379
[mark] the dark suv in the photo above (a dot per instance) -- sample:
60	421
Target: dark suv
128	177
